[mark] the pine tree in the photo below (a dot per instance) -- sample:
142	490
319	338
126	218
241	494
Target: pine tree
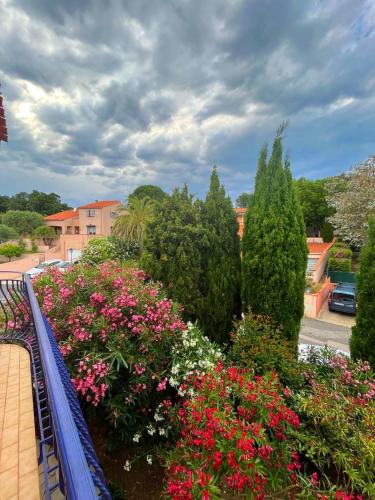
274	245
175	244
362	342
222	277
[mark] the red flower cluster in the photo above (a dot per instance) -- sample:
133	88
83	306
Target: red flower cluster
234	435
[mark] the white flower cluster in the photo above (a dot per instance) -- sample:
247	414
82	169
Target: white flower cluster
196	354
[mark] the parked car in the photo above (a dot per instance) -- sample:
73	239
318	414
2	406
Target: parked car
343	298
64	266
43	266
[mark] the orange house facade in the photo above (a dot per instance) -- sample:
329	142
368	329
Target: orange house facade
76	227
240	214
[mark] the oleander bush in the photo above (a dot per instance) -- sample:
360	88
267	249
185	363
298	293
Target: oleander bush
235	438
251	423
116	334
336	437
258	344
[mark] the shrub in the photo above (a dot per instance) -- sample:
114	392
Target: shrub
124	249
234	439
327	232
23	221
116	334
337	432
341	251
104	249
258	344
338	264
195	355
10	250
34	246
7	233
97	251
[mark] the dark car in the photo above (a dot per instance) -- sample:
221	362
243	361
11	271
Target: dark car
343	298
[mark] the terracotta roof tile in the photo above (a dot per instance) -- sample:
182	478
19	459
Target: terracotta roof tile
101	204
67	214
319	248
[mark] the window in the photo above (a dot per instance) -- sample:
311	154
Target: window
76	229
347	298
91	229
68	230
113	215
91	213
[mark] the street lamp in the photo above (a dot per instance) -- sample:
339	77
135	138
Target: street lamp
71	250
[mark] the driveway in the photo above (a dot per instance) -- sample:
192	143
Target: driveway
335	317
315	331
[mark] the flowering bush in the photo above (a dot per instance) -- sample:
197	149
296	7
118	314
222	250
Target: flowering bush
194	356
104	249
337	432
258	344
116	333
234	438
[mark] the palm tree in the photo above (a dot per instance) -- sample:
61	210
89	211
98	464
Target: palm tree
133	219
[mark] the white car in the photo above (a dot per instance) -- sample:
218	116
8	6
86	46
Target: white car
43	266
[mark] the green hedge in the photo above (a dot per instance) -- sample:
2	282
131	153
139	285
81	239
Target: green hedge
341	253
339	264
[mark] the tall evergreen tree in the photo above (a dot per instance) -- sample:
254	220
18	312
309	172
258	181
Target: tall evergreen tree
222	273
274	245
362	342
174	250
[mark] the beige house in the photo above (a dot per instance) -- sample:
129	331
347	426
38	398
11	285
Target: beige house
76	227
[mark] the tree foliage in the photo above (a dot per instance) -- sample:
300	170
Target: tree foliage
36	201
362	342
10	250
4	203
175	247
23	221
7	233
353	197
148	190
222	276
274	245
45	233
133	219
244	200
312	197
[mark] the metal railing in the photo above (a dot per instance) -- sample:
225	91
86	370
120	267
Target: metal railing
65	447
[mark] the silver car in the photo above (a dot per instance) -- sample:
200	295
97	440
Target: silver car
43	266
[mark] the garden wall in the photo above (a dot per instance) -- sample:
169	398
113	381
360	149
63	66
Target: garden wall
315	301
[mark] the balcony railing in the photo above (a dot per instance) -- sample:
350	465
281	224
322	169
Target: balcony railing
66	451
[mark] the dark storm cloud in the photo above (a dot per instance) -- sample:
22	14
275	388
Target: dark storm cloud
123	92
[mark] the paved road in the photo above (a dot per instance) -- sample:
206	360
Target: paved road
314	331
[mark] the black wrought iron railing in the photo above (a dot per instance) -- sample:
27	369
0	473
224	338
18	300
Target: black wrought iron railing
65	447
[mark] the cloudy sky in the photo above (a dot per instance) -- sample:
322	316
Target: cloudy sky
102	96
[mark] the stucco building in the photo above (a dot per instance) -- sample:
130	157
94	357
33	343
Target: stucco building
76	227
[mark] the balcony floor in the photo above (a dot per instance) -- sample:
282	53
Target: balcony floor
19	477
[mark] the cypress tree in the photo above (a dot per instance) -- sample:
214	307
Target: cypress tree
174	248
274	245
362	342
222	277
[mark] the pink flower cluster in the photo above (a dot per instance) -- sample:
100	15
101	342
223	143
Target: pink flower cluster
88	381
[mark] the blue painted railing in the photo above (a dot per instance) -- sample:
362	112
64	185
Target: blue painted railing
66	450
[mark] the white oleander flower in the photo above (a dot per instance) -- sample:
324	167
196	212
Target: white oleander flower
136	437
151	430
149	459
127	466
